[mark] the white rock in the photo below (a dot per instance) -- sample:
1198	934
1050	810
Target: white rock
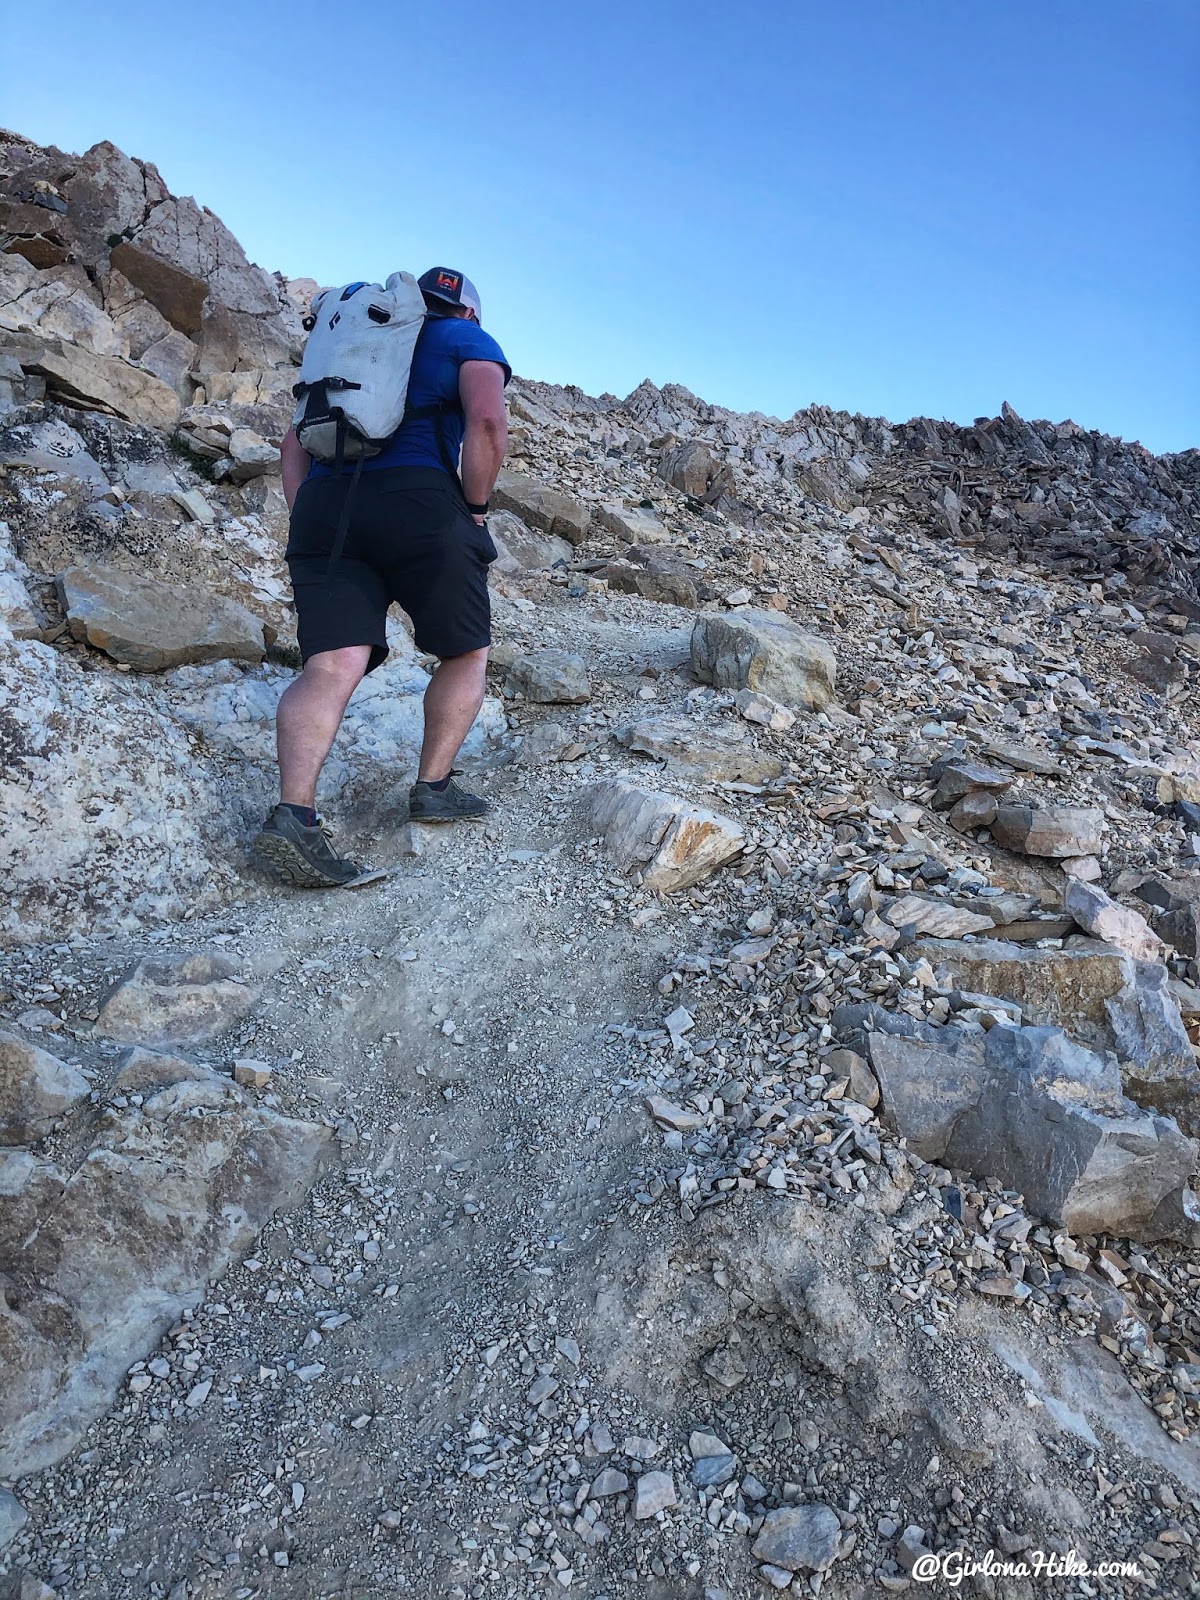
655	1492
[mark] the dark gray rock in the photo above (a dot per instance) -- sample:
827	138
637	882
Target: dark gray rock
1048	1117
799	1538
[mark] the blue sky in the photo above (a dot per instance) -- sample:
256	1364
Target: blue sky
894	208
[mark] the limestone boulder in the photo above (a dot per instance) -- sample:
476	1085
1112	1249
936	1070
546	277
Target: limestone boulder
140	323
177	295
58	304
762	709
640	525
109	194
546	677
1102	917
173	1193
662	577
520	549
252	455
670	843
692	468
700	749
939	918
541	506
767	652
172	358
36	1090
194	241
176	1001
153	626
1054	831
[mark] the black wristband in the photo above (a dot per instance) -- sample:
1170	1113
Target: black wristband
478	510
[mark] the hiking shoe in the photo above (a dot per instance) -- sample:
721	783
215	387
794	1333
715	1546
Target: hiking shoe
451	804
304	856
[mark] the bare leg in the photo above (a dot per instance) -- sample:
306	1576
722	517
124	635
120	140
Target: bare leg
309	715
452	703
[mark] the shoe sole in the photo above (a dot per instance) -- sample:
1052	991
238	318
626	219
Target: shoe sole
448	816
292	865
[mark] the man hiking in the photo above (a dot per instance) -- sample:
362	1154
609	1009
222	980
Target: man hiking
415	534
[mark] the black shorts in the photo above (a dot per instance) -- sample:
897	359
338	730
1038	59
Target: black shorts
411	539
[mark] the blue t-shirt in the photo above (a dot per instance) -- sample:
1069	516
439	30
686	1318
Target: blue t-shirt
444	344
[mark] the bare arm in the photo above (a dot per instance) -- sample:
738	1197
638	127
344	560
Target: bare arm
481	389
296	463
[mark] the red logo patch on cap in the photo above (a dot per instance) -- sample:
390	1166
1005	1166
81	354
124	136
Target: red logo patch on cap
449	280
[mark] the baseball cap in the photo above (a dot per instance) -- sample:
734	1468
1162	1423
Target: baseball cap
443	283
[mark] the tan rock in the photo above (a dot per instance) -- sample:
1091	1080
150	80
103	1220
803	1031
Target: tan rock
541	506
546	677
521	549
937	918
177	1001
631	524
692	468
673	844
57	305
767	652
662	579
153	626
1098	914
707	750
105	381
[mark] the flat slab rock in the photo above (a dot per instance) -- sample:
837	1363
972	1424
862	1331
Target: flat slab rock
654	1493
177	1000
662	578
541	506
708	750
672	843
522	549
767	652
631	524
152	626
1054	831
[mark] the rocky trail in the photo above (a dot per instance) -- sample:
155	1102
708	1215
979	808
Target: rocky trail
760	1156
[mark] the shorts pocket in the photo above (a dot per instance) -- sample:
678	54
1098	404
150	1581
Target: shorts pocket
484	543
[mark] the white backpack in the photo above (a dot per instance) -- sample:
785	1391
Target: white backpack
353	389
